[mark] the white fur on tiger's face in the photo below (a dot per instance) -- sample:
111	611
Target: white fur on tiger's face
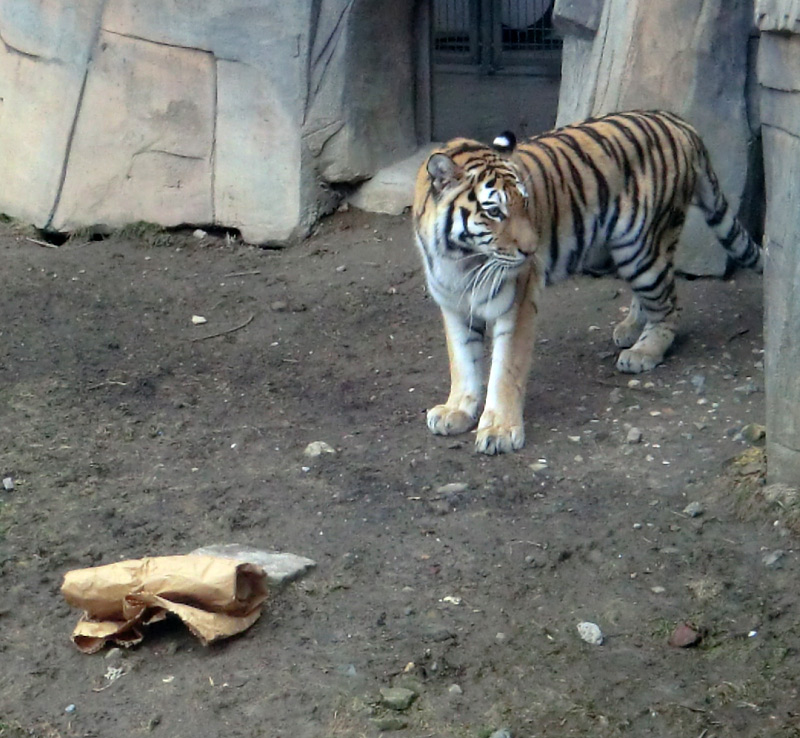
494	224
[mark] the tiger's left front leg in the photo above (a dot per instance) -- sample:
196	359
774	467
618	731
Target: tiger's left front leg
465	351
500	429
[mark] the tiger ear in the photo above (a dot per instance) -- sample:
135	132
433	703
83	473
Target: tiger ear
443	171
505	142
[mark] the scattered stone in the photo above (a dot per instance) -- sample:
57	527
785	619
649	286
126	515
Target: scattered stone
538	466
748	388
342	268
657	590
781	494
694	509
503	733
773	560
634	436
278	306
699	383
389	722
753	433
199	320
8	484
501	638
685	636
574	439
591	633
453	488
114	655
397	698
69	709
454	690
279	567
315	449
634	383
199	233
615	396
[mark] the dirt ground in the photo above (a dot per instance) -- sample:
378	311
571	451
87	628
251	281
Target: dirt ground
131	432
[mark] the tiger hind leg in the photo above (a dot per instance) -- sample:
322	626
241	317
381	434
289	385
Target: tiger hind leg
654	291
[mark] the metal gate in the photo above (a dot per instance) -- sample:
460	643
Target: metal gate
505	40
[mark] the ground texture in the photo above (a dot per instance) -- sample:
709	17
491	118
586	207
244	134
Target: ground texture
130	432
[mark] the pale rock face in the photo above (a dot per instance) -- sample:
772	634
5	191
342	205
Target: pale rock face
688	56
143	140
229	112
779	77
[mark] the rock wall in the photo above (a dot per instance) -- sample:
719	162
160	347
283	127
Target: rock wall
779	77
239	113
688	56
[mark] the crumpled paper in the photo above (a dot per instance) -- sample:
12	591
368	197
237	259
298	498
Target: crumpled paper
214	597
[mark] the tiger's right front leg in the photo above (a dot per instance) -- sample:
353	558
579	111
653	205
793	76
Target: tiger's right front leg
465	337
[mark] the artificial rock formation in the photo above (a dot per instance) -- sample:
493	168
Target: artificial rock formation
779	77
688	56
226	112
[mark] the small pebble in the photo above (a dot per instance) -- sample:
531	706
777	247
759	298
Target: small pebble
199	320
317	448
685	636
69	709
453	488
753	432
199	233
591	633
397	698
699	383
342	268
454	690
694	509
278	306
772	560
8	484
503	733
634	436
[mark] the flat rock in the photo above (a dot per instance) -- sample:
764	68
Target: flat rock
397	698
279	567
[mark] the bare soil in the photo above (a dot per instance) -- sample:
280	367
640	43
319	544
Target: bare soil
131	432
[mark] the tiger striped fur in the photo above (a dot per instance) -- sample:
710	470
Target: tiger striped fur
495	224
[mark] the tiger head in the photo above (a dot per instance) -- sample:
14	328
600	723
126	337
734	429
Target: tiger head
478	202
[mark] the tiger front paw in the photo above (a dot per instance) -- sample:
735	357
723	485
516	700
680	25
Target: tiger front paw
633	361
499	436
446	420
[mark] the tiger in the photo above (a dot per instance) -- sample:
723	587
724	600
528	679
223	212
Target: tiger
495	224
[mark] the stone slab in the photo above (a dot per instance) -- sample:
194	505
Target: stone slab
258	156
779	62
579	17
391	190
44	51
143	139
778	15
782	304
280	568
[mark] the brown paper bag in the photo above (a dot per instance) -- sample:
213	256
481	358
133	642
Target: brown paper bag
216	598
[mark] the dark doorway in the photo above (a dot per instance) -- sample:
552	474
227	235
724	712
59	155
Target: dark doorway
496	66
